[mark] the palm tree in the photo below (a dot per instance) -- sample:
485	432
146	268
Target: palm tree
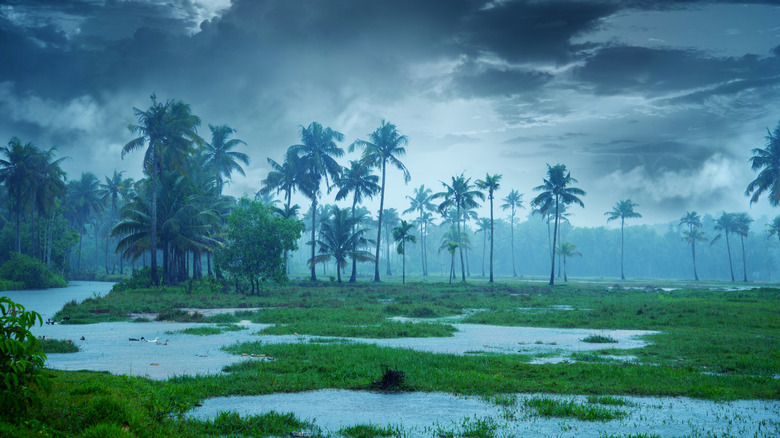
169	129
490	183
567	249
285	177
358	179
742	223
768	159
338	239
220	159
47	185
385	146
421	203
513	201
449	242
483	226
693	221
556	191
402	235
317	151
622	210
17	175
391	219
459	194
84	200
726	224
773	229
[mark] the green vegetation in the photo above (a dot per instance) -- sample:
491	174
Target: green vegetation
369	431
550	407
49	346
209	330
599	339
383	330
608	400
29	273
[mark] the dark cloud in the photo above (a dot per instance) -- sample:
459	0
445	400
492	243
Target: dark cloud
471	80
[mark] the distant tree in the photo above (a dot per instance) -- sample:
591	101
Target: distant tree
220	158
460	194
569	250
385	146
255	243
84	200
693	221
556	191
768	179
168	129
391	220
622	210
316	152
17	173
449	242
491	184
483	226
726	224
358	180
773	229
286	177
403	234
421	203
513	201
742	223
339	239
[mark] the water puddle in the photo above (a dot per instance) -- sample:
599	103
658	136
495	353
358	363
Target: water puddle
440	414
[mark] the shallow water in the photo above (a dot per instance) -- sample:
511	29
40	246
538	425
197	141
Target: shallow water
47	302
434	414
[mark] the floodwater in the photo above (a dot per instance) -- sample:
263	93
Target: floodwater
440	414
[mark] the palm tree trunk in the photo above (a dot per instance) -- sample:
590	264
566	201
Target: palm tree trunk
491	238
693	250
353	277
484	245
387	238
728	248
744	262
460	246
622	277
422	244
565	278
555	235
153	219
403	262
313	226
379	226
19	229
512	238
81	237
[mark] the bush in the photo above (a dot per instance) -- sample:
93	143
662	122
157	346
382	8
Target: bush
31	273
21	359
141	279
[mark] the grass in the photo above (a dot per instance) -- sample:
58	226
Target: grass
209	330
383	330
550	407
49	346
599	339
370	431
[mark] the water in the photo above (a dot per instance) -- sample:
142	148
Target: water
47	302
435	414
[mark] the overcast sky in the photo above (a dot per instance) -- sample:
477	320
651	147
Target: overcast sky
659	102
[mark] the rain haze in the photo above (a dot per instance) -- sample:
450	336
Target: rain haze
659	102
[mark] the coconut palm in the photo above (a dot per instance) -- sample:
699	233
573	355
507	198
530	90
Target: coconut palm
693	221
338	238
421	203
17	174
490	183
460	194
569	250
384	147
317	151
284	178
220	158
168	131
483	226
449	241
773	229
391	220
742	223
513	201
84	200
46	186
622	210
768	179
726	224
357	179
403	234
556	191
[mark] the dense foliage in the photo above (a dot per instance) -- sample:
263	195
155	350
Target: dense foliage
30	273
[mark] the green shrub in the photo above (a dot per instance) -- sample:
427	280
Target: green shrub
141	279
598	339
10	285
31	273
58	346
21	359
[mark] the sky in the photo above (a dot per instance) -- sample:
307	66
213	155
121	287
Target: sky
659	102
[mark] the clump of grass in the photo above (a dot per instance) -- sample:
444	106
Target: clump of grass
222	318
268	424
209	330
392	380
504	400
58	346
549	407
226	327
369	431
599	339
341	341
179	316
609	400
479	428
384	330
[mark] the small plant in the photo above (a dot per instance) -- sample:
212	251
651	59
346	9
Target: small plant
21	359
58	346
504	400
392	380
479	428
548	407
369	431
599	339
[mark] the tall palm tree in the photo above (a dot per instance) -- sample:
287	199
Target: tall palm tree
484	227
338	238
168	131
358	179
284	178
569	250
391	219
491	184
768	159
513	201
460	194
47	185
726	224
84	200
220	158
693	221
16	172
421	203
622	210
384	147
317	151
742	223
557	191
403	234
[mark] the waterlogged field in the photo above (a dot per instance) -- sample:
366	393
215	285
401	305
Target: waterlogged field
713	347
